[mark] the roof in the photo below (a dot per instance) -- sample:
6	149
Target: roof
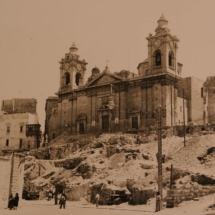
145	61
105	72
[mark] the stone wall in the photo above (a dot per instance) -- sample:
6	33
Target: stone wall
192	91
197	101
5	169
210	99
76	192
19	106
176	196
11	178
51	120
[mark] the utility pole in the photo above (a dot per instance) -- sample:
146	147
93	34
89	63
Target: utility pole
11	172
184	121
159	157
171	177
39	169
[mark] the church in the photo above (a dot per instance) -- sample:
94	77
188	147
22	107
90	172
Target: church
113	102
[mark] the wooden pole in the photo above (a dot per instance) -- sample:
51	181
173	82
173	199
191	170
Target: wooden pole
171	181
11	173
160	156
184	121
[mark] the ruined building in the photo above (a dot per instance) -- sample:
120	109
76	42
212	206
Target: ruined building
19	125
117	101
19	105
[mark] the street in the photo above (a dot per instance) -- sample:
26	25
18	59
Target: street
41	207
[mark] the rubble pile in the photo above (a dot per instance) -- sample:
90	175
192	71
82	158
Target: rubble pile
188	157
119	162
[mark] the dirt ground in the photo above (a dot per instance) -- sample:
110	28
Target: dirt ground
42	207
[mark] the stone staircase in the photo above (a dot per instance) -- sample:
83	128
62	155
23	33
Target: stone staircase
17	175
65	138
59	139
54	147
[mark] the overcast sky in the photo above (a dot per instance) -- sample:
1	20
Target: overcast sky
36	34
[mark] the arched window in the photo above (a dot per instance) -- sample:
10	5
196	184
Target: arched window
157	56
171	59
67	78
77	78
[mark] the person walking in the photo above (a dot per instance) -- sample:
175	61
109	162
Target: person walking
49	195
97	200
62	201
16	201
158	202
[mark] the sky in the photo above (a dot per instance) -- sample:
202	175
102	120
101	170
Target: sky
36	34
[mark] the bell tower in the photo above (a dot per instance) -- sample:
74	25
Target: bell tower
72	70
162	51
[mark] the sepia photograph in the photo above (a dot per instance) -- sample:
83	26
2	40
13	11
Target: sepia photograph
107	106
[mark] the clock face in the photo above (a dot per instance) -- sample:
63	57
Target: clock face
79	66
157	43
66	66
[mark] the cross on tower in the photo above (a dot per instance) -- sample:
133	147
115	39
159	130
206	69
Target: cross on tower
107	61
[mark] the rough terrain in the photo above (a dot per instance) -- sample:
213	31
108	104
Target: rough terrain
122	162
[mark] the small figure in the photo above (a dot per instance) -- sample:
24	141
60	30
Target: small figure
97	200
158	202
157	156
62	201
49	196
163	158
11	201
16	201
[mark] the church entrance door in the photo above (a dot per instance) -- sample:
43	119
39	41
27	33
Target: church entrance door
81	128
105	123
135	122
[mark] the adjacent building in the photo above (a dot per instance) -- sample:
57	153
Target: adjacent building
208	94
191	89
19	105
19	129
16	131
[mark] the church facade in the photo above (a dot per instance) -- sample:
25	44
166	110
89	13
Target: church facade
111	102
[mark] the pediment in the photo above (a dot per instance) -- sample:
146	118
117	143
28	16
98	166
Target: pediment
104	79
134	110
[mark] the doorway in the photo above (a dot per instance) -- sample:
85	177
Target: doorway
135	122
81	128
105	123
20	143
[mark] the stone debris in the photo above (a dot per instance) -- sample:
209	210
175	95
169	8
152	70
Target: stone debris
120	161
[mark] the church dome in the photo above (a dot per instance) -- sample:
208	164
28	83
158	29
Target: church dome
162	20
162	24
95	71
73	48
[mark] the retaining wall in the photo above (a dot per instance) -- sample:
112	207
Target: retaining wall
176	196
